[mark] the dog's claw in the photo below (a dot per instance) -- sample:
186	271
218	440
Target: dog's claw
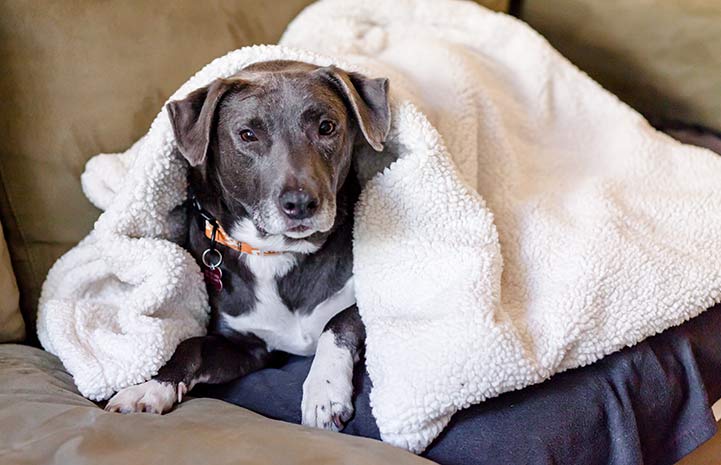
337	421
182	390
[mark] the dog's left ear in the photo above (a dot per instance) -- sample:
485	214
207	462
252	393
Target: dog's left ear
368	98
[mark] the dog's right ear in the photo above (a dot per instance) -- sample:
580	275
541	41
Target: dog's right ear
193	117
368	99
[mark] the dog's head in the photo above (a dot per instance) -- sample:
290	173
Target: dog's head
274	142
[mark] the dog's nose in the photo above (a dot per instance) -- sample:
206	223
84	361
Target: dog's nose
298	204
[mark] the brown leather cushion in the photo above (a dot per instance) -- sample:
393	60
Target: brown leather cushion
660	56
44	420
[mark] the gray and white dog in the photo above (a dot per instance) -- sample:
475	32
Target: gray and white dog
271	153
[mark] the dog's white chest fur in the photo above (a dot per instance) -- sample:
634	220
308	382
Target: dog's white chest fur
271	320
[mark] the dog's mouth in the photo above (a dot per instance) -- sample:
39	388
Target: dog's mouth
299	231
292	230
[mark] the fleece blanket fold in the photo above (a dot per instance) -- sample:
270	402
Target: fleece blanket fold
522	221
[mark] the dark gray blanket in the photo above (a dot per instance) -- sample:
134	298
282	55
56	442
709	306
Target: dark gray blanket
646	404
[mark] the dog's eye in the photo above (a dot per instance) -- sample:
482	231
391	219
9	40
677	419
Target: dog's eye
248	136
326	128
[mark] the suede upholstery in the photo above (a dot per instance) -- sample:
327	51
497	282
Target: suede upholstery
12	327
660	56
46	421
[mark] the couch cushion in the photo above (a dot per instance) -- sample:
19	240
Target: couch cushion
660	56
12	328
43	420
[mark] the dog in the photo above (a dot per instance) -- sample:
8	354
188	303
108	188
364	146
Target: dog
271	153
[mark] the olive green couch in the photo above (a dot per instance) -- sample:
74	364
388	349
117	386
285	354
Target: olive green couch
80	77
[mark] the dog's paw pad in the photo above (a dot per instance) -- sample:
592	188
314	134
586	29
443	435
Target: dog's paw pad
150	397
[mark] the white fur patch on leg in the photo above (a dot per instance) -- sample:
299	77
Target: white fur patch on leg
328	389
151	396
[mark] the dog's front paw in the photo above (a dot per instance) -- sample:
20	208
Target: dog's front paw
328	389
151	397
327	402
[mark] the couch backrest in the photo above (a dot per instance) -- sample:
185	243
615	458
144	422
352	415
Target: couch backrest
80	77
660	56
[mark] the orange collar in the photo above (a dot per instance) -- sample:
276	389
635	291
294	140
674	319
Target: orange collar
222	237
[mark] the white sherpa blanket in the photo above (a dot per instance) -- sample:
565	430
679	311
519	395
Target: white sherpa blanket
532	222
